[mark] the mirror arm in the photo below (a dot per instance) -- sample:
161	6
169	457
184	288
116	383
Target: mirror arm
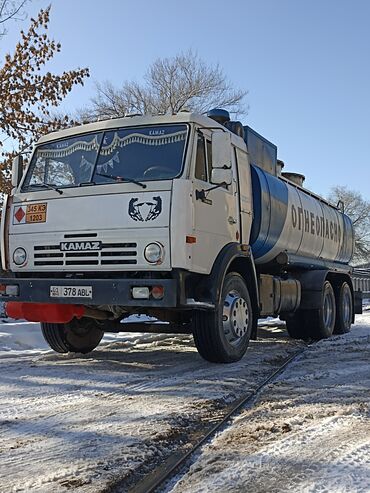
202	194
216	186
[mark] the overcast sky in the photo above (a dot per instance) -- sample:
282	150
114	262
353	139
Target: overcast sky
304	63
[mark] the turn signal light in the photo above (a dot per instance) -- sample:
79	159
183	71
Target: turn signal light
9	290
191	239
157	292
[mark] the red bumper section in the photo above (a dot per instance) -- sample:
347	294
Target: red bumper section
44	312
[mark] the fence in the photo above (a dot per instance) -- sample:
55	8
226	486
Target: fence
361	280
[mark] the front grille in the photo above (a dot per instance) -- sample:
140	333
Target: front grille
110	254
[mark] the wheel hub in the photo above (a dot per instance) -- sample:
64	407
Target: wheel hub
235	317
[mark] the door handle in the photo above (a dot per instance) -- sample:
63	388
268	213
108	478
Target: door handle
231	220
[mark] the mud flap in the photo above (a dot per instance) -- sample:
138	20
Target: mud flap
358	302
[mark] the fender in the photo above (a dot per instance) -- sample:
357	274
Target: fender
4	232
311	282
238	258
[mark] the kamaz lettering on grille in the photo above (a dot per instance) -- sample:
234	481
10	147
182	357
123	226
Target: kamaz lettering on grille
74	246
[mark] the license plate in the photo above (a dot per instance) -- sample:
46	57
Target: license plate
71	292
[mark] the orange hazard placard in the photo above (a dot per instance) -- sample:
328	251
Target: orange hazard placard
36	213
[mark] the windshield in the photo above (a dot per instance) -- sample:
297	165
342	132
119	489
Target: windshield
127	154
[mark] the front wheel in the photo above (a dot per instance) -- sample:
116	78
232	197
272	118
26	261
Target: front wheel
77	336
222	336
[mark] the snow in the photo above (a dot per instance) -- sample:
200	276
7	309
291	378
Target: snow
82	422
309	431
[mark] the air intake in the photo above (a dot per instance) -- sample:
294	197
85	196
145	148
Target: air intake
219	115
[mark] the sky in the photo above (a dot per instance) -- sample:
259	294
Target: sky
305	65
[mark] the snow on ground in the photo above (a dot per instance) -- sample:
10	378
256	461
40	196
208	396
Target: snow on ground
309	431
80	422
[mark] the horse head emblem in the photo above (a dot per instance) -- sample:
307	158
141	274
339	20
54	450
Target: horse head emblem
145	211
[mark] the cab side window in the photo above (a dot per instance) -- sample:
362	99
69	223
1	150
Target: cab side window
200	163
209	159
203	163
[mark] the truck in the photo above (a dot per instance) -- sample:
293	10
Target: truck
187	219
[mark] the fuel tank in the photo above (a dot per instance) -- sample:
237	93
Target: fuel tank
290	219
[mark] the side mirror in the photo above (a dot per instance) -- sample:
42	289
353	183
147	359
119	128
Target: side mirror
220	176
340	206
221	149
17	170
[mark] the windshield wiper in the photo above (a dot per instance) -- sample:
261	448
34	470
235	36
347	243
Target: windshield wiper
121	178
48	186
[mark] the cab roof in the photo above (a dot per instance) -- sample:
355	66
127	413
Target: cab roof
131	121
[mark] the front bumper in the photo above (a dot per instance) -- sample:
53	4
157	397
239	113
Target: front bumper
104	291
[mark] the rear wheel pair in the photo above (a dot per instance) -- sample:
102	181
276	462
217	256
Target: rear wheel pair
333	317
77	336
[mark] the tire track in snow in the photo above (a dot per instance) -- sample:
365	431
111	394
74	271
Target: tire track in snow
82	421
308	432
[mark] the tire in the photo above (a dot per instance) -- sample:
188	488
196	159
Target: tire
319	324
78	336
344	310
296	325
222	336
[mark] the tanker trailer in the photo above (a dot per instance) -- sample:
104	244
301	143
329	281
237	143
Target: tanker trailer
297	236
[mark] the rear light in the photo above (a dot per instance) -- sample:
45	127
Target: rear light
2	289
157	292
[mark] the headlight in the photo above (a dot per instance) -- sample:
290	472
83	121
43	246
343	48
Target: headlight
19	256
154	253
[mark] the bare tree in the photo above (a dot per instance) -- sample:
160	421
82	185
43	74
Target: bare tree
28	93
10	9
170	85
358	209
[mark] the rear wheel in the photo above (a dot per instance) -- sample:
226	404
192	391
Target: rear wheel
344	310
222	336
320	323
77	336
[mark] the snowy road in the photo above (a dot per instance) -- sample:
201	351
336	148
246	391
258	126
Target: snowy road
309	431
79	423
82	422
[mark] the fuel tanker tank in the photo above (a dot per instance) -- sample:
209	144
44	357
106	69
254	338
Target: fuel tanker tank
290	220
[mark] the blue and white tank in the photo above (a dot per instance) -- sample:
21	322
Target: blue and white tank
288	219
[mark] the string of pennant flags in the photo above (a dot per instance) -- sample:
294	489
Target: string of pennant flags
88	166
93	145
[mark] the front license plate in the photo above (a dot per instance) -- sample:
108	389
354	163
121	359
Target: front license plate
71	292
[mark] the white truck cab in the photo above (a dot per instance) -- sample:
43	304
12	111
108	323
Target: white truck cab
144	215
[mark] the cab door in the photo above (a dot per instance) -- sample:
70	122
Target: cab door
216	216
